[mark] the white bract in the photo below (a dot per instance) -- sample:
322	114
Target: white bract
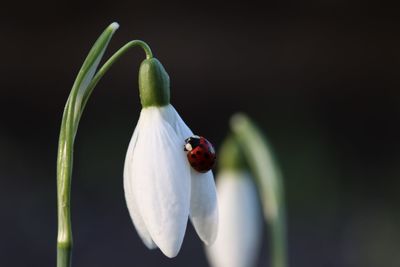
239	237
161	188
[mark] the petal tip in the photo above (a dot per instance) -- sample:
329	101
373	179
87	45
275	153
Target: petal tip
170	251
149	243
207	232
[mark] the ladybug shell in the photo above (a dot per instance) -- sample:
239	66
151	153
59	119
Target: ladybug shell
202	157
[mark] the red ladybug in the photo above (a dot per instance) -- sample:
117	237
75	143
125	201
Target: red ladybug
200	153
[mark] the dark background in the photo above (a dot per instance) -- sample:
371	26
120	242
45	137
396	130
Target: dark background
320	77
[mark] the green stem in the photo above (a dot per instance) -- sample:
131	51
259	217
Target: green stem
107	65
269	178
64	256
84	84
64	170
277	230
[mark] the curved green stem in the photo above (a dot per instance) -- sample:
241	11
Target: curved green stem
269	178
84	84
107	65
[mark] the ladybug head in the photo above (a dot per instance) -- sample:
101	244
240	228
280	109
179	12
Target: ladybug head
192	142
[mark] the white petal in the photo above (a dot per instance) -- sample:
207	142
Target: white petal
239	237
180	127
129	197
203	199
204	206
162	181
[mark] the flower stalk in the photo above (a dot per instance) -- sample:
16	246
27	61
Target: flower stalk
270	183
82	88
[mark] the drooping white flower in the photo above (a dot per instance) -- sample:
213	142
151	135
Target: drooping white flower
240	233
162	191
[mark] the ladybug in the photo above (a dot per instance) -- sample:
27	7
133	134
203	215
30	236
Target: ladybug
200	153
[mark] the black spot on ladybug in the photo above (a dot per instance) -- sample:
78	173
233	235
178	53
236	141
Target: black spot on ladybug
206	155
193	156
198	152
202	163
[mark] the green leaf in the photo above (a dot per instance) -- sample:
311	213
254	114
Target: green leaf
79	92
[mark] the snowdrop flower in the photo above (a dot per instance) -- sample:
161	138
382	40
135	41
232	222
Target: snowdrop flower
239	237
161	189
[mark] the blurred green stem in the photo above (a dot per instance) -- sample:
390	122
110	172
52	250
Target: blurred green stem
84	84
270	183
278	242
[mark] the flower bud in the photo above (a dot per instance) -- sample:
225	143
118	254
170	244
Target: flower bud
153	84
239	237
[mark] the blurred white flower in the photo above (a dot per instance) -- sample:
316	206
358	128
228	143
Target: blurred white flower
161	188
240	232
